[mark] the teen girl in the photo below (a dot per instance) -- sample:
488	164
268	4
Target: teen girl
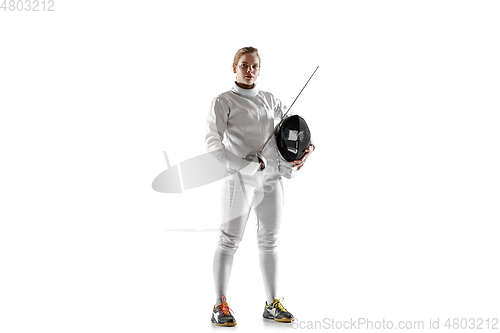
239	122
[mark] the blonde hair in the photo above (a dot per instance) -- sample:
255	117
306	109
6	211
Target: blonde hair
245	50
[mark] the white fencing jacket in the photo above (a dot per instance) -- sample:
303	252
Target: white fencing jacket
240	121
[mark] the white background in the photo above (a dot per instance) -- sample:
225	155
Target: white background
394	217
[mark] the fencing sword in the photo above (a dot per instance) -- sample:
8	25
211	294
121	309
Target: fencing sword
283	118
251	156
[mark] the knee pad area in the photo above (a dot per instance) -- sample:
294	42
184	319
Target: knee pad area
268	242
228	243
266	247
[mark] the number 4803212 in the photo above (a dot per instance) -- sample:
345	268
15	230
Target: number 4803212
27	5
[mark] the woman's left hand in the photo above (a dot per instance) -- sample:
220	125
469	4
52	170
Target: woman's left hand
300	163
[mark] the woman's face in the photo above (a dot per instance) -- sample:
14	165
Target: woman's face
248	69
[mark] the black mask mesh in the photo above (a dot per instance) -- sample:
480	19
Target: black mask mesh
293	137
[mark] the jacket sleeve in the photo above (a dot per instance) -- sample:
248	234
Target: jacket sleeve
279	108
215	130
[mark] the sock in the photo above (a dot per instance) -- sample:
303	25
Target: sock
268	267
223	264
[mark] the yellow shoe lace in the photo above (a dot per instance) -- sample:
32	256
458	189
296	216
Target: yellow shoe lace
277	304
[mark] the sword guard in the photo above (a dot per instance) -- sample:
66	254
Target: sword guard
256	155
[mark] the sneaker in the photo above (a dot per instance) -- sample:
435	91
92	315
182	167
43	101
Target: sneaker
221	315
277	312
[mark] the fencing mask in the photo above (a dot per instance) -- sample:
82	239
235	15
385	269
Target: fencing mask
292	138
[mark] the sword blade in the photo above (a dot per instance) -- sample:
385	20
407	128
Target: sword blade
283	117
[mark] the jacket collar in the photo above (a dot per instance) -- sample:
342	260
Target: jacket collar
245	92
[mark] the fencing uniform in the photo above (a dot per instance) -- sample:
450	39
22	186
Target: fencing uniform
240	121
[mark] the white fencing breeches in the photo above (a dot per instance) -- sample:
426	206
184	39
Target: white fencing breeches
263	192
